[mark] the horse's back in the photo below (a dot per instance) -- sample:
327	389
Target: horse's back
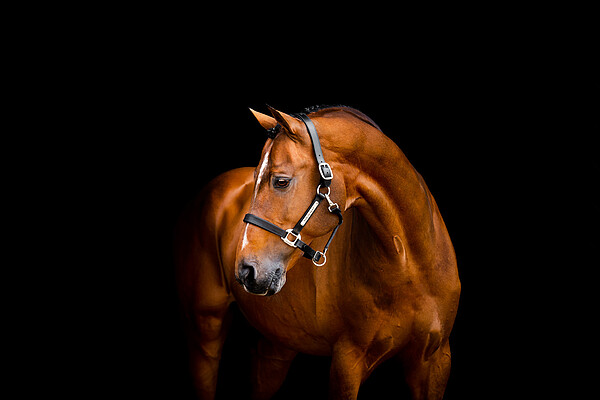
205	239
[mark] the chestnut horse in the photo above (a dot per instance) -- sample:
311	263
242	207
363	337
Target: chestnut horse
389	287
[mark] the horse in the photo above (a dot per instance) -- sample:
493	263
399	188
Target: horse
386	287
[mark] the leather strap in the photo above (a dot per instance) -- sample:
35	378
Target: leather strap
309	252
312	131
266	225
307	214
324	168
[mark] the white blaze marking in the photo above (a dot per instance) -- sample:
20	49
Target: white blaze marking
261	171
245	238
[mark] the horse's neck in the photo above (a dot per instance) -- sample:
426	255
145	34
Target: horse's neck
391	197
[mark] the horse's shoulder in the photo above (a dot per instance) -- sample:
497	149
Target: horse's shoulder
223	192
228	181
206	219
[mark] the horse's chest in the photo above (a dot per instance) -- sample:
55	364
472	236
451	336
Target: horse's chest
313	310
290	322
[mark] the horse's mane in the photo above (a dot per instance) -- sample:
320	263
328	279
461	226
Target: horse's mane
272	132
334	107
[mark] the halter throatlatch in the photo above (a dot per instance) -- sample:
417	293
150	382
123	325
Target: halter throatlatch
292	237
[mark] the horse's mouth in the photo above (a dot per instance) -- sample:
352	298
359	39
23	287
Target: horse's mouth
275	284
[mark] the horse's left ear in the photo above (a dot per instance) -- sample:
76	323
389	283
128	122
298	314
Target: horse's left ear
294	127
264	120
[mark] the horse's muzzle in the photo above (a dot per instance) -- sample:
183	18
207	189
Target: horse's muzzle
262	284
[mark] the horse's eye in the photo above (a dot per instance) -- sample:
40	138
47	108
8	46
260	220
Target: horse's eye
281	183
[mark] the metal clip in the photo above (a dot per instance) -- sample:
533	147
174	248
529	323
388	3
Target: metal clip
332	205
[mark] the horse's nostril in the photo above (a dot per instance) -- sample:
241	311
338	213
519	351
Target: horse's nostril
247	273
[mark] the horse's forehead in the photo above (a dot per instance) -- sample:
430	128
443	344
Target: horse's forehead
271	156
285	152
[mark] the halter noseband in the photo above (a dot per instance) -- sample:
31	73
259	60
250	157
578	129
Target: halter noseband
291	237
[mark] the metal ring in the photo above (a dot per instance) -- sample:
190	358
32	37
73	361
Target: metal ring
323	194
324	260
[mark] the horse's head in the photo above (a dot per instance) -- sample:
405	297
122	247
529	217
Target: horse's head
285	183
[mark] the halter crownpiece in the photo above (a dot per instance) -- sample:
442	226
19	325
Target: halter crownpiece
292	237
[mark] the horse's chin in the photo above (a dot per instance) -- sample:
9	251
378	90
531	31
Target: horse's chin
279	285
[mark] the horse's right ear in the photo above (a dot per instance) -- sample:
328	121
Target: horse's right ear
265	121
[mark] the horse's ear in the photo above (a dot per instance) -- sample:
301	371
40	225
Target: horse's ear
293	127
264	120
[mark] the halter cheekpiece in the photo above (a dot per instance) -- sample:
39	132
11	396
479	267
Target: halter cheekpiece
292	237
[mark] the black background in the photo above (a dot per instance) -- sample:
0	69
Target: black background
505	150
